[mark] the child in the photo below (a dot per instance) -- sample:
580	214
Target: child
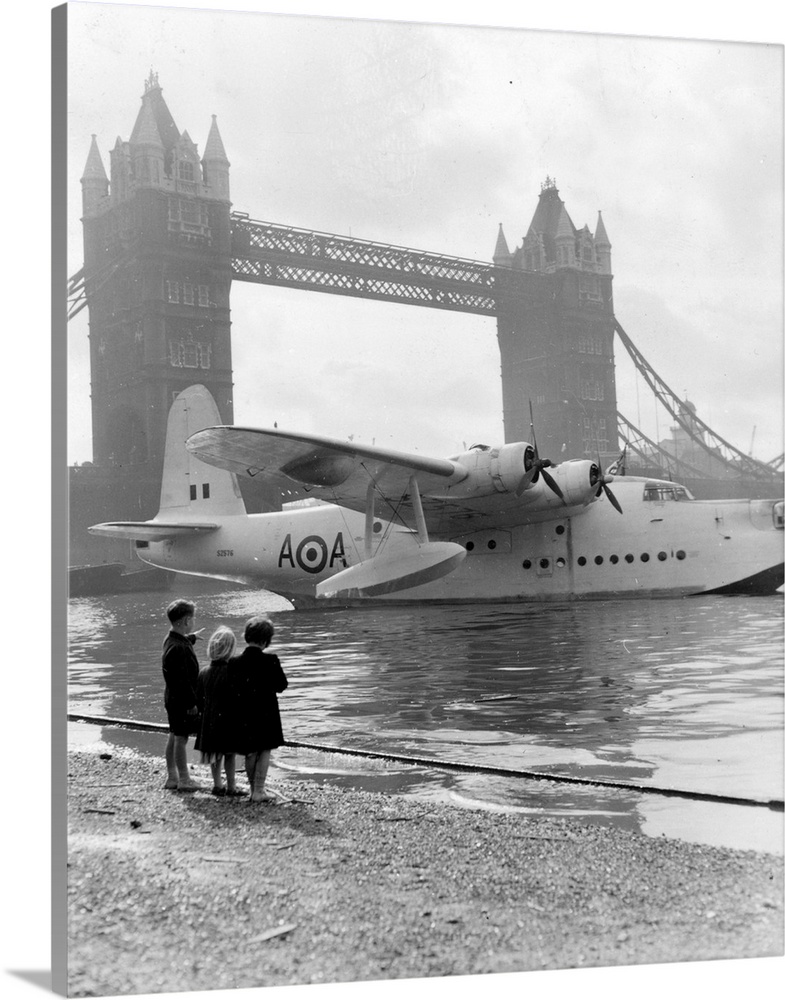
181	670
256	679
212	691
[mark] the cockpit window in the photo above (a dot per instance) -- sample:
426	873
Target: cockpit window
661	492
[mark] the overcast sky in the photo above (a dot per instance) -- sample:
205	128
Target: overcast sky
429	136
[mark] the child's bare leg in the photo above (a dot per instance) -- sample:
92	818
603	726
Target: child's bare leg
171	767
258	793
215	768
251	760
184	779
181	759
230	768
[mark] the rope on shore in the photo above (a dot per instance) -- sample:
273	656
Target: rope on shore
451	765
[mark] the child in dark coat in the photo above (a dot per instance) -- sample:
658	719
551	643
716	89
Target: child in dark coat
256	679
213	695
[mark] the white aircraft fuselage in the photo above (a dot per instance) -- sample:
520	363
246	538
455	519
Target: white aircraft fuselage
490	526
659	548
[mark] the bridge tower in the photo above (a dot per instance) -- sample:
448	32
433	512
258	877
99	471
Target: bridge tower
555	327
158	264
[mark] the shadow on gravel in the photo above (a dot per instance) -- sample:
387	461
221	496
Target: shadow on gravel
296	816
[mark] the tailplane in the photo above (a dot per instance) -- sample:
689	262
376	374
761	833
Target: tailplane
191	490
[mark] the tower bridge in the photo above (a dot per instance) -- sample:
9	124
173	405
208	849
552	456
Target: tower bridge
162	247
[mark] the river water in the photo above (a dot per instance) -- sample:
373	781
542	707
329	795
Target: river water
684	694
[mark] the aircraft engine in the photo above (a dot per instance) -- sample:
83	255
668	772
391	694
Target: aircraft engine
579	480
517	469
485	471
509	464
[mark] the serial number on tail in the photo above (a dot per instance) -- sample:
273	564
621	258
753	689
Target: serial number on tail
313	554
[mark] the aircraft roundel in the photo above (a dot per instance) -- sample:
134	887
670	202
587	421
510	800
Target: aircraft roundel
311	554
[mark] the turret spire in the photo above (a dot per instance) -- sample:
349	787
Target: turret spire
94	168
214	148
501	255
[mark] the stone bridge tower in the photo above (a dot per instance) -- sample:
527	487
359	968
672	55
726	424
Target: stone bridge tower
555	332
158	264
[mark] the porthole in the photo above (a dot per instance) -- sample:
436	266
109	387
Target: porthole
598	560
561	562
681	554
491	544
527	564
662	556
629	558
377	527
644	557
614	559
469	546
544	563
581	560
559	529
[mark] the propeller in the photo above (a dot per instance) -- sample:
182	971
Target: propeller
596	476
535	465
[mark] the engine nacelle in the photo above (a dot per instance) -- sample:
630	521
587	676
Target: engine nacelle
483	471
578	479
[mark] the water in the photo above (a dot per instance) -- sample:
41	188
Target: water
683	694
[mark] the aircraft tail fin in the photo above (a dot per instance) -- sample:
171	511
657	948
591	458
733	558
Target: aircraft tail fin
190	489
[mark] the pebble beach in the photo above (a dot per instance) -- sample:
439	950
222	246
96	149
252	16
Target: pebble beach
171	892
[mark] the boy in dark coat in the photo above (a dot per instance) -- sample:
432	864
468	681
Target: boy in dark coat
256	680
181	670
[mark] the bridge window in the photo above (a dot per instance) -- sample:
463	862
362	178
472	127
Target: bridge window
592	388
204	295
172	291
185	170
188	353
188	294
595	436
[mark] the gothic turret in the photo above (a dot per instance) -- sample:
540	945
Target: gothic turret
501	255
95	183
147	148
565	240
602	247
215	164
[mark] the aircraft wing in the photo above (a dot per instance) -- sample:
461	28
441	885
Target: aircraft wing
341	472
150	531
311	465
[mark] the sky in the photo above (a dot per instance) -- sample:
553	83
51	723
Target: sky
429	136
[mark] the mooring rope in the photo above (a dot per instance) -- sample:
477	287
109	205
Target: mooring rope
453	765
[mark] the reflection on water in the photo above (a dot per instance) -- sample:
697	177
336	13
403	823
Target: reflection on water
673	693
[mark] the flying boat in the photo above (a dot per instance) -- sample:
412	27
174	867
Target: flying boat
360	523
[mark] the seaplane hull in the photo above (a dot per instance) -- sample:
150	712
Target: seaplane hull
458	543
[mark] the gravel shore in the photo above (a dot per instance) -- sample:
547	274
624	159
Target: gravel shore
170	892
